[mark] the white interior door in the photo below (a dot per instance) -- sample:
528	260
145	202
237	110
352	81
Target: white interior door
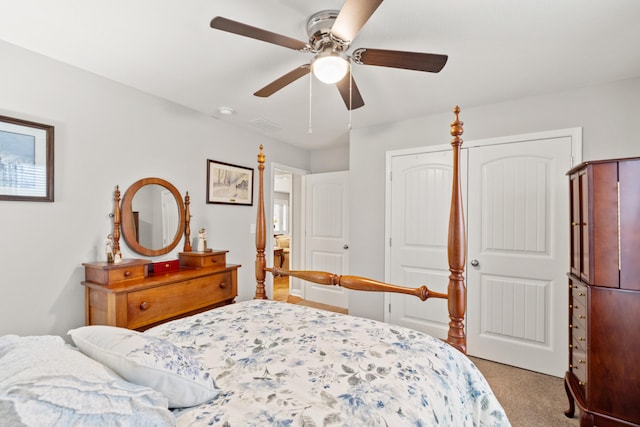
420	197
516	216
518	249
327	234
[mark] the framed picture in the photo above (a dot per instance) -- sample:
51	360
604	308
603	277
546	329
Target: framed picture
26	160
229	184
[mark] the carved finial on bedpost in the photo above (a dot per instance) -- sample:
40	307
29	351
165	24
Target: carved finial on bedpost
187	223
457	247
261	230
116	220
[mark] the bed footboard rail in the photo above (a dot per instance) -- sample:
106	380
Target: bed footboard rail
355	283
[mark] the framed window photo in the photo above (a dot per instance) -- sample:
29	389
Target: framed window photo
26	160
229	184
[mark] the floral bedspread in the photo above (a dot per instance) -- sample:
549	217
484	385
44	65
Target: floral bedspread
279	364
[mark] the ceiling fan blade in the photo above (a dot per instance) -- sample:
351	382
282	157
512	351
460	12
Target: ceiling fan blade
352	17
350	95
429	62
281	82
224	24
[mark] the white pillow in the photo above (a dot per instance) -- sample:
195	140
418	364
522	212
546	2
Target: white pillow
150	361
45	382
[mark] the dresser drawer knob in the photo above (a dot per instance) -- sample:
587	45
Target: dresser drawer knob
223	285
144	305
127	273
213	260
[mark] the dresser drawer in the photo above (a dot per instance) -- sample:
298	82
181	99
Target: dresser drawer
159	303
215	259
108	273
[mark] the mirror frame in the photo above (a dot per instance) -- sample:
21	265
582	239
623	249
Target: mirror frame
128	228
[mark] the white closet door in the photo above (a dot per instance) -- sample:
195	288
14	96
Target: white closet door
516	210
518	254
420	199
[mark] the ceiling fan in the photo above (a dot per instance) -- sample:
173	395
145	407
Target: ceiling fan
330	35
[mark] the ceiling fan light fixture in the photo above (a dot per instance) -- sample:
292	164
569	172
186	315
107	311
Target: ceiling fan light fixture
330	67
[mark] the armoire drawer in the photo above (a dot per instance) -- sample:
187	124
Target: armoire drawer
579	365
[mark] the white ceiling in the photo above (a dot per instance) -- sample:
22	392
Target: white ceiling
498	50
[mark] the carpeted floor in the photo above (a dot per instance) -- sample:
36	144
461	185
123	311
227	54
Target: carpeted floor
530	399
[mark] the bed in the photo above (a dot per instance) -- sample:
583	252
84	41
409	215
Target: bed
259	362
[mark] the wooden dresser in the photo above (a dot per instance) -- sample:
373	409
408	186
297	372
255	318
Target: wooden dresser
604	293
129	295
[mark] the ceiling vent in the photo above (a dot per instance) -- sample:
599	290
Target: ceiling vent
265	124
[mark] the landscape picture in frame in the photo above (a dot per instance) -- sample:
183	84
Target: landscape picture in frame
229	184
26	160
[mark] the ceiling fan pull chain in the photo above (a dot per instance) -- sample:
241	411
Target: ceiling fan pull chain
310	131
350	95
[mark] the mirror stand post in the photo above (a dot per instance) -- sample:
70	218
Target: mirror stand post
116	220
187	222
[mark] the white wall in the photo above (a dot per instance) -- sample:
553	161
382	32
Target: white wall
606	113
332	159
107	134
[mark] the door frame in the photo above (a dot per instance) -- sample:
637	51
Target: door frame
576	157
296	232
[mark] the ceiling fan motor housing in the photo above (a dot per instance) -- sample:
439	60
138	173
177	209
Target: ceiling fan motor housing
319	32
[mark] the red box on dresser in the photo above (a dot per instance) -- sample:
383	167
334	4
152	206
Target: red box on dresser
164	266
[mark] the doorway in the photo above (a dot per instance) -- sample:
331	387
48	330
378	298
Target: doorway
286	242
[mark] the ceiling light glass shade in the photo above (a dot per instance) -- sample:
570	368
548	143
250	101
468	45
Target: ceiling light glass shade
330	67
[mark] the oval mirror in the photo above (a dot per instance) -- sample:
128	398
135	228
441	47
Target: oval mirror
153	216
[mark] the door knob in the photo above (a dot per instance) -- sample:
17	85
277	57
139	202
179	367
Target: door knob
475	263
345	247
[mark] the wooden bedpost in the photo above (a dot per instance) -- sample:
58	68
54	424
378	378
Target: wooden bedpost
457	247
187	224
116	220
261	230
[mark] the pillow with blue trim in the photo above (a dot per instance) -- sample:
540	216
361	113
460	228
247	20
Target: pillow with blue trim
149	361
